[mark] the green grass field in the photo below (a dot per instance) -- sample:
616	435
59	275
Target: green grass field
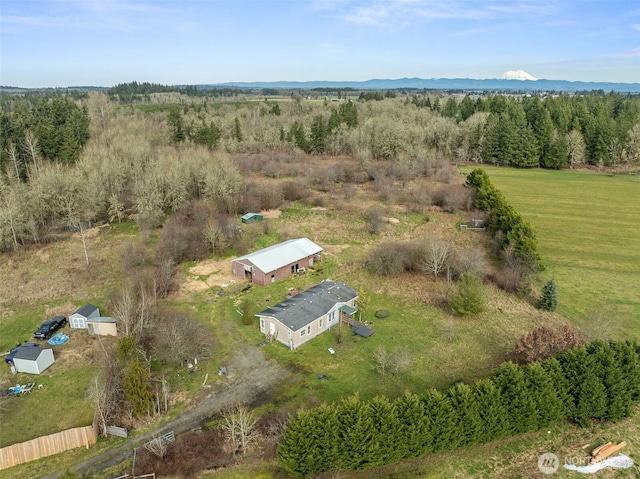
588	228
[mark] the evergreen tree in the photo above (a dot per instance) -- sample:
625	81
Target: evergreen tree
492	411
549	296
137	388
549	406
560	384
558	152
612	376
356	433
387	433
521	408
450	109
468	299
175	121
585	386
299	451
414	430
297	136
349	114
317	143
467	108
445	431
464	401
237	130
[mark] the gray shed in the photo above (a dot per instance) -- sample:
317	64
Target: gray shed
79	319
33	360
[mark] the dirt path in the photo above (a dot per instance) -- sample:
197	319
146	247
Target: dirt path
253	379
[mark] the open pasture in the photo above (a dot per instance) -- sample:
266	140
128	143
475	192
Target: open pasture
588	228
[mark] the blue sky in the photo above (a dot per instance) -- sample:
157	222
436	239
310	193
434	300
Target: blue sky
105	42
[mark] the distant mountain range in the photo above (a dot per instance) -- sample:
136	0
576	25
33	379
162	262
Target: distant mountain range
511	81
467	84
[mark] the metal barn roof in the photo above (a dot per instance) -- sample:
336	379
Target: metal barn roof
279	255
298	311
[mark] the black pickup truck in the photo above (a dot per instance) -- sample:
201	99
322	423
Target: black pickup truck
50	326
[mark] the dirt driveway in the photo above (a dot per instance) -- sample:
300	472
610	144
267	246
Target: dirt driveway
253	379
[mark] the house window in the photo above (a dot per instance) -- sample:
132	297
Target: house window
309	329
262	324
303	332
332	316
289	334
320	324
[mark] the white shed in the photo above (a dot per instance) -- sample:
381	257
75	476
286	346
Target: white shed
102	326
79	319
33	360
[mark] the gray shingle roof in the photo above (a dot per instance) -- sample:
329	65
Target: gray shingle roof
28	353
86	310
279	255
303	308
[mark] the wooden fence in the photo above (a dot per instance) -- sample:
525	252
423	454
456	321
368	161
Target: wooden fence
46	446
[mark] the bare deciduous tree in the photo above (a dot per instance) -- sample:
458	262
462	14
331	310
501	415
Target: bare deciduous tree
157	446
436	254
239	428
106	393
392	362
30	146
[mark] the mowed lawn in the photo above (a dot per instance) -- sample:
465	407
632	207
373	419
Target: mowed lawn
588	228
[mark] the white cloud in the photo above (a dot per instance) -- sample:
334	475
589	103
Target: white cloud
633	53
393	13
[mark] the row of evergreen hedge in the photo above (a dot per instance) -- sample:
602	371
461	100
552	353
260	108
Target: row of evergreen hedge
598	381
518	234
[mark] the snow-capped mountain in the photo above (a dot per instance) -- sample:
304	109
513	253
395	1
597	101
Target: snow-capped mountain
517	75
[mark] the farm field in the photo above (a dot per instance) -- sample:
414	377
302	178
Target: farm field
589	238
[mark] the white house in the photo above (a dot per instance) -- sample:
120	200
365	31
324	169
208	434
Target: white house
33	360
79	319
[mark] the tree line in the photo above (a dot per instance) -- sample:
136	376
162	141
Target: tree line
516	236
598	381
41	128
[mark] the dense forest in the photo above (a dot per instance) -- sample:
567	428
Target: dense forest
71	159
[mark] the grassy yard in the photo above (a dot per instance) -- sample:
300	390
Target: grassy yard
588	228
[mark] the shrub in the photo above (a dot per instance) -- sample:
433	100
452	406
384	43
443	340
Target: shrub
182	235
294	191
453	198
544	342
549	297
388	259
468	299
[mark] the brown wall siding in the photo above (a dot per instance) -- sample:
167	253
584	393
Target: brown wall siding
46	446
264	278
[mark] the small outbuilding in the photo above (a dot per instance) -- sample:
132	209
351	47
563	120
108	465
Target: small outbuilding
102	326
33	360
251	218
276	262
78	320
